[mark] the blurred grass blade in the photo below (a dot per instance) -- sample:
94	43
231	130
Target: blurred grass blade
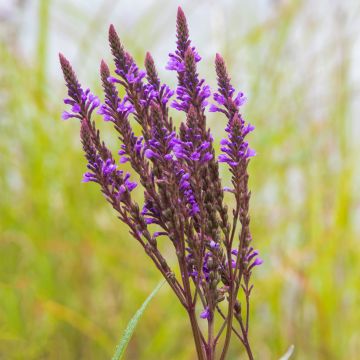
120	349
78	321
287	355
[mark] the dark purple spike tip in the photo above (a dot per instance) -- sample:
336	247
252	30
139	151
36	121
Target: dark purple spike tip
116	48
219	59
149	63
220	65
151	71
70	78
223	78
180	13
112	31
182	31
149	58
104	69
181	20
114	40
66	67
63	60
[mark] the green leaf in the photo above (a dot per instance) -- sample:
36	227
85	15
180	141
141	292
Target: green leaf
120	349
287	355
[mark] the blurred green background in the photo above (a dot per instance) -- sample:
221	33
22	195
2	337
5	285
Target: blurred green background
71	277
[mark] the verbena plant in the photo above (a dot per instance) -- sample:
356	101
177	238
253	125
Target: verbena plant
179	173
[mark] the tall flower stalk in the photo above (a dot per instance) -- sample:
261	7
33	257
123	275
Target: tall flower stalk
178	171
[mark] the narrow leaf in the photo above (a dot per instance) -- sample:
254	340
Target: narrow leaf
125	339
287	355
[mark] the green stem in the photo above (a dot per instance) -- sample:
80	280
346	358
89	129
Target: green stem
245	338
196	334
211	343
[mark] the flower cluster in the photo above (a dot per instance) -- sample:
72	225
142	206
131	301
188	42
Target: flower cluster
178	171
88	104
190	89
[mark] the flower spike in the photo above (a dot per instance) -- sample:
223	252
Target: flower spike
178	172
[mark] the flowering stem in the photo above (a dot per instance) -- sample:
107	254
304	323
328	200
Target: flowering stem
245	340
247	310
196	333
190	306
211	344
232	291
223	326
229	325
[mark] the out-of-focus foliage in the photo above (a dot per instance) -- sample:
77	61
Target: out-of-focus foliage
70	276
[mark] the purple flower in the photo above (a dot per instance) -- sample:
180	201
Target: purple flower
220	99
76	108
250	153
206	314
66	115
83	101
252	258
88	176
235	148
125	107
195	156
256	262
150	154
139	145
214	245
207	157
187	191
190	90
159	233
131	185
124	160
175	63
222	158
228	189
108	167
150	221
240	99
213	108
